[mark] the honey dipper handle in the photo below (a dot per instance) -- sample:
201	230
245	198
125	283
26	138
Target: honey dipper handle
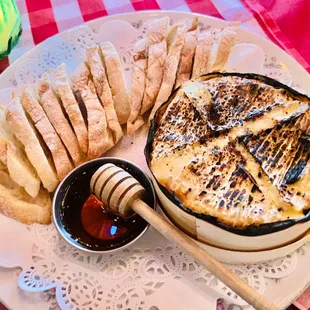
173	234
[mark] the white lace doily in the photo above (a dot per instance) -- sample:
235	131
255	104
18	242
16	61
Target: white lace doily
152	273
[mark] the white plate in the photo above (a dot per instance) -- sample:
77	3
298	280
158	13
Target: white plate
250	257
237	257
130	278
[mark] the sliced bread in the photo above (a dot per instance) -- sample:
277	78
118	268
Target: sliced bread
175	41
187	54
60	157
225	40
22	129
57	118
116	80
63	89
15	161
17	204
100	137
135	120
203	55
157	53
103	91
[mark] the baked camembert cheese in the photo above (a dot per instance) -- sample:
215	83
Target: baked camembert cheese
234	147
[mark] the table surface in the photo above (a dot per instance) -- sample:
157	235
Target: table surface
283	22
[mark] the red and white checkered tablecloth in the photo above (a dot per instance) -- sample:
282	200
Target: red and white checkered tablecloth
285	22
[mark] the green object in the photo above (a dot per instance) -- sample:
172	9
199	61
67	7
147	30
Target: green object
10	26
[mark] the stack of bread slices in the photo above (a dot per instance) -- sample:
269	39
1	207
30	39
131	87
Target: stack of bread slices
169	56
64	120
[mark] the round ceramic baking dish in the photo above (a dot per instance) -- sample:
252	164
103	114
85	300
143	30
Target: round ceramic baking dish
207	229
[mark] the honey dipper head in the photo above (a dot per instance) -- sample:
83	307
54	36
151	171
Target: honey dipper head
116	188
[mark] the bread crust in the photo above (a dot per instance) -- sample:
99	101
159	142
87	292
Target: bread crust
175	39
116	80
103	91
100	137
57	118
187	55
203	54
15	203
65	93
21	171
23	130
225	41
135	120
157	53
61	159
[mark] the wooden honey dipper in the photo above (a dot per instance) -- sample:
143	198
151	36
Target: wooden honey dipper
122	193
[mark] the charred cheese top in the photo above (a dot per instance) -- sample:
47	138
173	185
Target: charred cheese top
234	148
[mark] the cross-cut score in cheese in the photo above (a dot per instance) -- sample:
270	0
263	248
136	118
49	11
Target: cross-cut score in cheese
283	154
201	99
208	179
270	119
301	199
267	188
167	169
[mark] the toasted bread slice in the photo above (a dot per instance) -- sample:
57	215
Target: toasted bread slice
2	167
7	181
157	53
15	161
64	91
175	40
116	80
103	91
17	204
61	159
187	54
135	120
22	129
22	172
3	151
99	135
202	59
225	41
5	137
56	116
